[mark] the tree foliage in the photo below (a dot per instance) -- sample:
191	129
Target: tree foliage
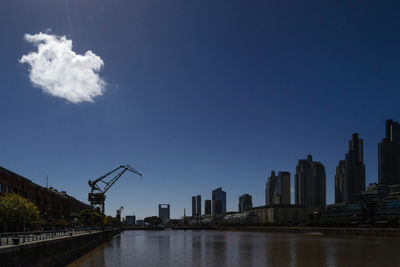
17	209
153	220
111	221
89	217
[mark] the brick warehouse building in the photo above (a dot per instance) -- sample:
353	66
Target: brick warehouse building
53	205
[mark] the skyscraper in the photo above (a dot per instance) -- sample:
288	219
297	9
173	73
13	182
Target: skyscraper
309	183
354	170
218	201
164	212
194	206
198	206
277	190
207	206
389	155
245	202
339	181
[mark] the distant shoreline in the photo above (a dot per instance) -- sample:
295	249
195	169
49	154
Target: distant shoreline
392	232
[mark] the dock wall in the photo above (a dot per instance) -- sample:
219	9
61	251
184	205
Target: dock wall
53	252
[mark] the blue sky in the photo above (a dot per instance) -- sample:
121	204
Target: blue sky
199	94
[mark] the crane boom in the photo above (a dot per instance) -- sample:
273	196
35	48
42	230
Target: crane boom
97	195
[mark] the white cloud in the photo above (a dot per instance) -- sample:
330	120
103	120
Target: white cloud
61	72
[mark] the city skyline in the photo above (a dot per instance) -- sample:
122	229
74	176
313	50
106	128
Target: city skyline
195	96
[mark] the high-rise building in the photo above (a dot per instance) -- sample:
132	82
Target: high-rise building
310	183
198	205
351	175
130	220
217	206
164	212
207	206
218	201
194	212
277	190
339	181
245	202
389	155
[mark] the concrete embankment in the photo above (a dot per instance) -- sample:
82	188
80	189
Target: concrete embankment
53	252
395	232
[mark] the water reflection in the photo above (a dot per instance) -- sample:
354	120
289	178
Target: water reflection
215	248
245	250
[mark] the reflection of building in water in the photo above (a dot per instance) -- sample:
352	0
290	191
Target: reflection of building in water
164	212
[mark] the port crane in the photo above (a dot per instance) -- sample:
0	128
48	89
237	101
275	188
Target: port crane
97	195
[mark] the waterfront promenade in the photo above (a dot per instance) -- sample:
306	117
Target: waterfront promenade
10	239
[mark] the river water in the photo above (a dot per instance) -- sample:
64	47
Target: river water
223	248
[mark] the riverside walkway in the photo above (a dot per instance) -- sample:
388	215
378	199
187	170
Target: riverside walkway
16	238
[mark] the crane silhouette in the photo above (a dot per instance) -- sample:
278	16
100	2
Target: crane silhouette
99	186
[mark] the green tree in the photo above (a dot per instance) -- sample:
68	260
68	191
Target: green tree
17	209
153	220
89	217
174	222
111	221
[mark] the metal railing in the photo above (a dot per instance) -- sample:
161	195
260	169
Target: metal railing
16	238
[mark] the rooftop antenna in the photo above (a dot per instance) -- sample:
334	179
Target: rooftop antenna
47	181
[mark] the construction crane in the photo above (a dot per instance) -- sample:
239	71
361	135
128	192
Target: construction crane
97	195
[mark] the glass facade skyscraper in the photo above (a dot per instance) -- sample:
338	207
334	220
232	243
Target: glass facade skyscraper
389	155
277	190
310	183
218	201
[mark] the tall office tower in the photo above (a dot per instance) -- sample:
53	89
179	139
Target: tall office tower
164	212
309	183
354	175
339	181
217	206
207	206
389	155
218	201
277	190
245	202
194	206
198	209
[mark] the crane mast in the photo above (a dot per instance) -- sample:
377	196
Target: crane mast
97	195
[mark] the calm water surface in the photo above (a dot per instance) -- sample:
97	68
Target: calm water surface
219	248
